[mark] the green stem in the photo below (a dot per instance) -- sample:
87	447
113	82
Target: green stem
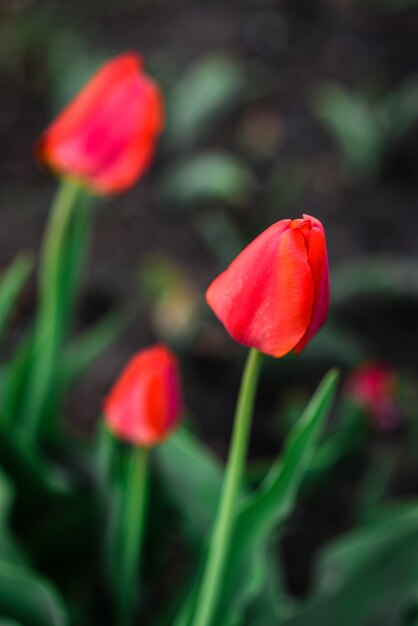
57	283
132	526
223	527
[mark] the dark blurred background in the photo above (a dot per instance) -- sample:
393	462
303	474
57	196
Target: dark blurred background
273	109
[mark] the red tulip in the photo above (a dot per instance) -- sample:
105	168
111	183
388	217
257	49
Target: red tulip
145	403
106	136
373	386
274	296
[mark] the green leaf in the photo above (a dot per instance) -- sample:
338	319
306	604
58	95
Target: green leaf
31	475
191	479
352	120
260	515
208	176
8	547
375	484
375	277
194	477
275	500
272	604
368	577
10	287
202	97
87	348
81	354
27	598
350	435
15	381
400	107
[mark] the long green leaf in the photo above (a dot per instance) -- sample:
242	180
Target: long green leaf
15	381
376	277
27	598
8	547
212	176
84	350
352	119
31	475
368	577
202	97
192	474
260	515
271	505
77	358
10	287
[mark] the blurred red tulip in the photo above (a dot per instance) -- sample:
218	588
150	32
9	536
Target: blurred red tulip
145	403
275	295
106	136
373	387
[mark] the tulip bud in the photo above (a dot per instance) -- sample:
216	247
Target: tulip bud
275	295
145	403
105	138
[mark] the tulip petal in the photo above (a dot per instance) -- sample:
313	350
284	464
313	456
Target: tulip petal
265	297
145	403
318	262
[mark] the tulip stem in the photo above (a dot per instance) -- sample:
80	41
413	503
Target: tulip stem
132	526
61	257
223	526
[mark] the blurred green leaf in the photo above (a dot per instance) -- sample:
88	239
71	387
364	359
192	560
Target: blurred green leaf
202	97
261	513
31	475
15	381
367	577
375	484
193	477
400	106
8	547
354	123
350	434
10	287
272	604
207	176
365	127
26	597
375	276
246	571
87	348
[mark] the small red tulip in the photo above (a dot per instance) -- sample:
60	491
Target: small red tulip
373	386
145	403
275	295
106	136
